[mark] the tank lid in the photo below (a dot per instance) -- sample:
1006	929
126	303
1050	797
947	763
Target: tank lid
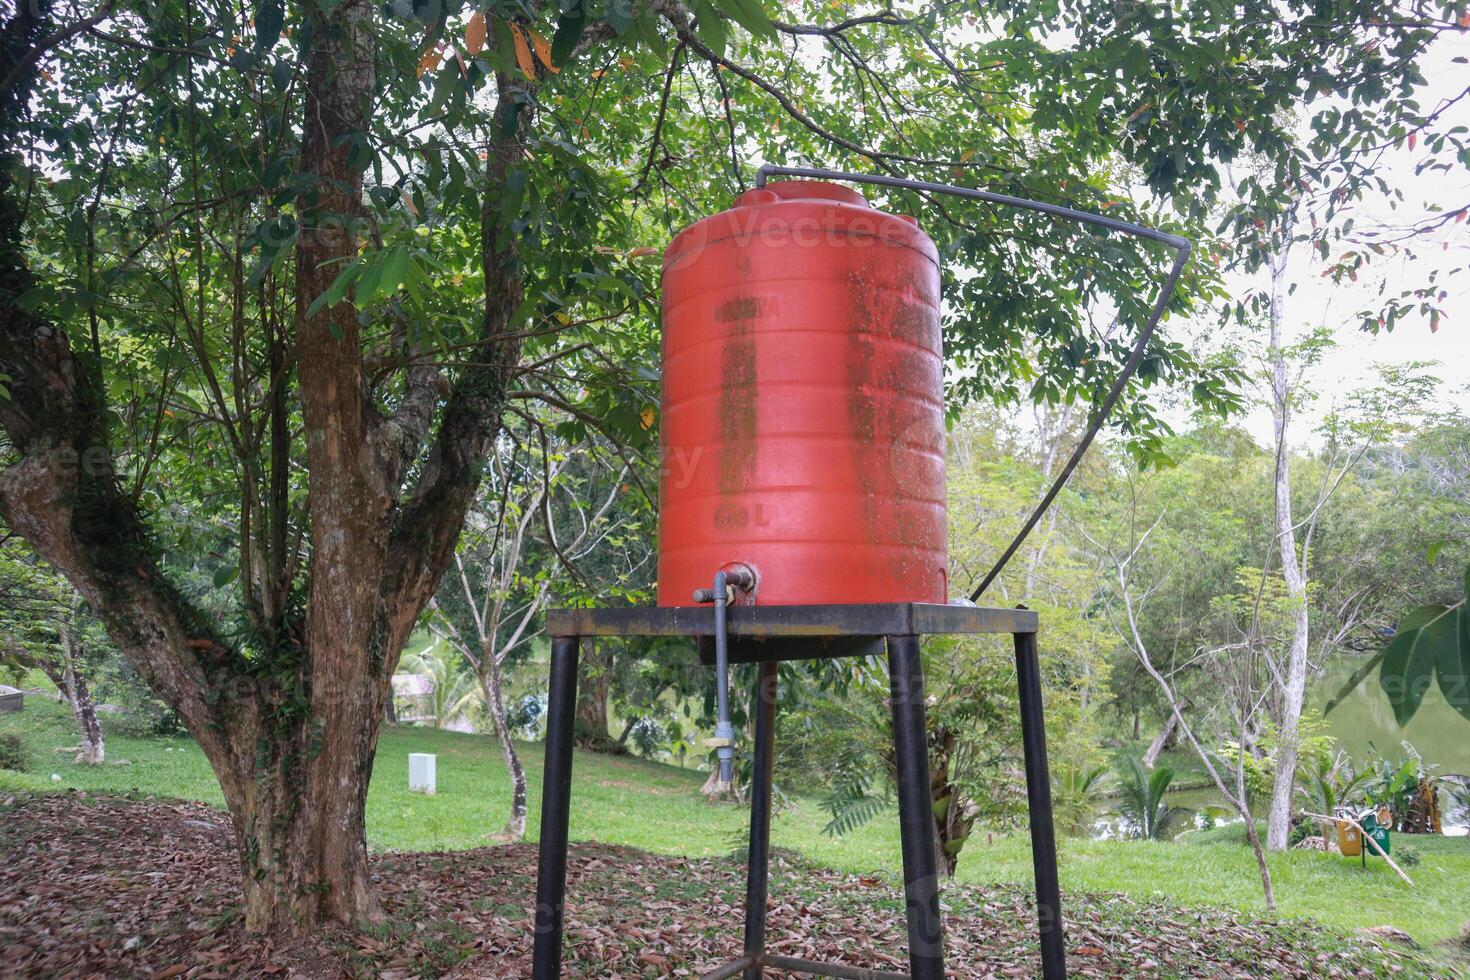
798	190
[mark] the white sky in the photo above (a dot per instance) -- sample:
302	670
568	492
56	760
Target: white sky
1318	302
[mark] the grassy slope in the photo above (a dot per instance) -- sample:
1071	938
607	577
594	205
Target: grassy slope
658	808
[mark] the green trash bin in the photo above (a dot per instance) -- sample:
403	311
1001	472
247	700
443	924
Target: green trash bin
1375	830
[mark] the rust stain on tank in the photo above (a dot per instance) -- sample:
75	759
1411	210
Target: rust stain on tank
737	394
864	418
738	310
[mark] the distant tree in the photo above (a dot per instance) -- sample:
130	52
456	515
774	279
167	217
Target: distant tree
44	626
538	518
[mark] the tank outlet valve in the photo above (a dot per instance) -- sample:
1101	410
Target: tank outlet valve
725	751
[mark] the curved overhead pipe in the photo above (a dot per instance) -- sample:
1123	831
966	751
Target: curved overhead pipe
1181	247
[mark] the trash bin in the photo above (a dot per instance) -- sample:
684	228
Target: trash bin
1375	830
1349	841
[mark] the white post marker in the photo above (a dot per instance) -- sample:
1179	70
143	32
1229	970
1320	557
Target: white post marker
421	776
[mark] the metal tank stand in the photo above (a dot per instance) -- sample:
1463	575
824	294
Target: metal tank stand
766	635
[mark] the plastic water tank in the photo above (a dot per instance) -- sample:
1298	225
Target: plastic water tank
802	422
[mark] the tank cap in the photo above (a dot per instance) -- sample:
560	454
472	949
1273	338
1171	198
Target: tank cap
799	190
758	196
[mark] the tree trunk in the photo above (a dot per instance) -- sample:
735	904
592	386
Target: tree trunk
1163	741
490	680
593	689
1254	837
90	750
300	828
290	731
1278	826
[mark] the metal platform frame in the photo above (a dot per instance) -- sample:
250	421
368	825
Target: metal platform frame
766	635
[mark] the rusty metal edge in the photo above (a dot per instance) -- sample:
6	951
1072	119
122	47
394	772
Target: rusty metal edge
871	619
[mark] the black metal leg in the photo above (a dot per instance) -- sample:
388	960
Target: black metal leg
915	809
556	798
758	860
1038	798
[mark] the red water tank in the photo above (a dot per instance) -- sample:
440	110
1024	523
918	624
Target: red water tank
802	427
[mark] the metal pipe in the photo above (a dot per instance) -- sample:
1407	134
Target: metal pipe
795	965
1057	210
739	578
1038	801
758	856
724	731
728	970
915	809
556	800
1181	248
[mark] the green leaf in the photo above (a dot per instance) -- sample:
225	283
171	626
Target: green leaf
508	117
225	576
569	30
382	276
750	15
1418	618
1465	615
338	289
281	74
395	270
1408	661
274	171
710	26
648	30
1450	638
270	17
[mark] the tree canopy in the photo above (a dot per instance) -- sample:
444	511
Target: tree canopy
275	276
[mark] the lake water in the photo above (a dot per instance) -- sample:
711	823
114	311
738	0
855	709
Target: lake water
1365	721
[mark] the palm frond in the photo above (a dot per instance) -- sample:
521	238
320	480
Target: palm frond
852	802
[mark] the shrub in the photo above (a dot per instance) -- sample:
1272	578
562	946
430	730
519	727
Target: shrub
523	716
1077	795
1142	803
1301	829
13	754
649	737
1405	855
140	712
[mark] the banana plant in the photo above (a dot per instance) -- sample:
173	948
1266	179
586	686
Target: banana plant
1329	781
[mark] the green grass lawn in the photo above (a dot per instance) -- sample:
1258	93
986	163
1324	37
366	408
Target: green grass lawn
658	808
